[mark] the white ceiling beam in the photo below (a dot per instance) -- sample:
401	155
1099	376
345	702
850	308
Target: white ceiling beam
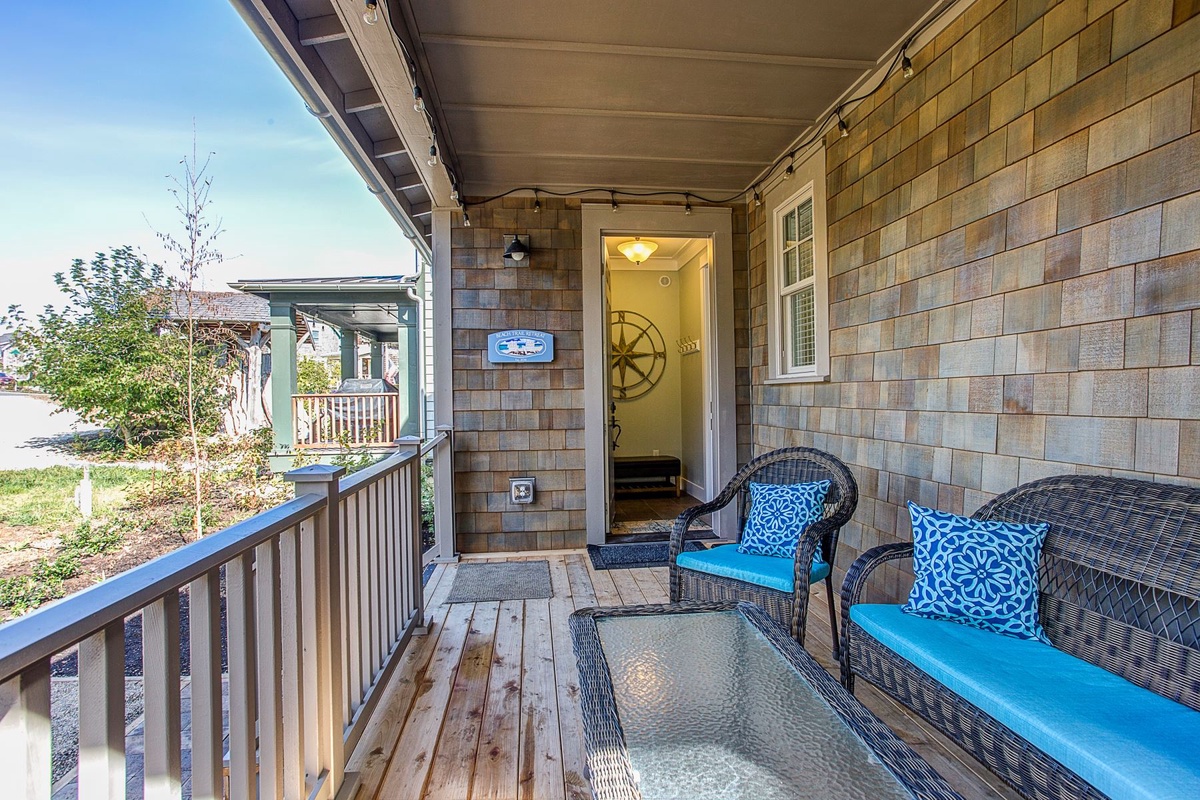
390	147
541	156
321	30
642	51
624	113
409	181
422	209
362	100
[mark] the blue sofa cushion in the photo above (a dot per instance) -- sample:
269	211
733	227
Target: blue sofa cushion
1126	741
983	574
779	513
768	571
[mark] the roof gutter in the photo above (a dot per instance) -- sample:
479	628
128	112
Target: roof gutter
254	19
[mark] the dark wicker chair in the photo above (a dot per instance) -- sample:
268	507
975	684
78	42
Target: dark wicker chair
1120	588
788	465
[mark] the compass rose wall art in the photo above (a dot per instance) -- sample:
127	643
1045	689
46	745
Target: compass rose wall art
639	355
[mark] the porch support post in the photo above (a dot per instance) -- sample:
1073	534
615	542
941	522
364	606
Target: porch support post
408	359
349	354
283	381
376	358
443	389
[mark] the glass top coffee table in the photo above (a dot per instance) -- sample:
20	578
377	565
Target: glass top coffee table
716	701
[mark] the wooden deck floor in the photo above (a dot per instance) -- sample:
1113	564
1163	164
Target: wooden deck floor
486	705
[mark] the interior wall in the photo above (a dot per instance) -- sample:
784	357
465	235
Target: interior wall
692	415
1014	266
652	421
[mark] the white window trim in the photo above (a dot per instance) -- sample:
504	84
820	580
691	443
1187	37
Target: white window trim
778	368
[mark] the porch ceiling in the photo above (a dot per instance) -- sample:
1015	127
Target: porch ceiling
674	95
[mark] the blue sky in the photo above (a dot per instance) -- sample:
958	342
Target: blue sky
97	102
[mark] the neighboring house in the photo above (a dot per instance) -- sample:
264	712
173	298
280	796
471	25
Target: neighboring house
8	353
953	244
242	323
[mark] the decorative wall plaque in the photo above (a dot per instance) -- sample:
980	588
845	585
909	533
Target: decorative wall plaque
520	345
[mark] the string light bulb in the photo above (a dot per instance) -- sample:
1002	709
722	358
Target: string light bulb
757	198
843	127
787	173
371	15
613	197
418	100
906	66
537	205
466	218
687	205
433	159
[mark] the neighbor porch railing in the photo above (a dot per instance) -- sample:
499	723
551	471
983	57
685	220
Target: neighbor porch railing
322	594
331	421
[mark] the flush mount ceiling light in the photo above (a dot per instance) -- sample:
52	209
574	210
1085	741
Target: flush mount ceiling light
637	251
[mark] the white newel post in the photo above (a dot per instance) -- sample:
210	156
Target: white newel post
323	480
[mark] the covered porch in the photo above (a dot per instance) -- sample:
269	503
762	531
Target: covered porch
386	405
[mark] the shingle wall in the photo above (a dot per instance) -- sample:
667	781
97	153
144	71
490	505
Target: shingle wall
518	419
1014	265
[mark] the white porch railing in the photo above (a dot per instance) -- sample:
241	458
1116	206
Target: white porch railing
345	420
322	594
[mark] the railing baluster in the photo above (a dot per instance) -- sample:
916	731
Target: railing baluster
364	590
379	615
207	725
25	731
102	714
243	745
309	691
292	631
390	552
354	683
270	681
160	667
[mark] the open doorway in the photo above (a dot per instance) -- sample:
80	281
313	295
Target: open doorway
694	337
659	406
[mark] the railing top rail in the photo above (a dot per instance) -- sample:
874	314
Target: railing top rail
346	395
59	625
375	472
434	442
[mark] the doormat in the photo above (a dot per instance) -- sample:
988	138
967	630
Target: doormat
655	526
512	580
632	556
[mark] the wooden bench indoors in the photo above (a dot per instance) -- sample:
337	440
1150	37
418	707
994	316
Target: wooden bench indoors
635	473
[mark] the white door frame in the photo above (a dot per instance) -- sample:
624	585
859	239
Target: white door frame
716	225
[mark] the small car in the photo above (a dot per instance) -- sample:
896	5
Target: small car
7	381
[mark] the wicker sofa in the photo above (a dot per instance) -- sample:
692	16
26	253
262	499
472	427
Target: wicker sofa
1113	708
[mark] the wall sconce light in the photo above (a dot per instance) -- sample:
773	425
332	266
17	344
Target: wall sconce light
520	490
517	251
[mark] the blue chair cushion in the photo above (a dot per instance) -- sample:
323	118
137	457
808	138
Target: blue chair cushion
982	574
1126	741
767	571
779	513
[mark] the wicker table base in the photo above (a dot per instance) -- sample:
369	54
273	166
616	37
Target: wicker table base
725	704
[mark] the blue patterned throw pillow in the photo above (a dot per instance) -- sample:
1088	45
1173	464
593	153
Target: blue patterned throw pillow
779	513
982	574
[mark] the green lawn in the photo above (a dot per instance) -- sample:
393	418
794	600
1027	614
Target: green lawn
43	500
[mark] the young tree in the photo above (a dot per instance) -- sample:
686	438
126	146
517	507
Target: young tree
195	251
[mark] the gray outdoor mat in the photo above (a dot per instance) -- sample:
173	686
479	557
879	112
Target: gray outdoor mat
512	580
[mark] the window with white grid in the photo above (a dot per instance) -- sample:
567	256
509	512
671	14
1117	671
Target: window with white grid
795	280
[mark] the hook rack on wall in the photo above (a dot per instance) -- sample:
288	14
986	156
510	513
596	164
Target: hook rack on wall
687	346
